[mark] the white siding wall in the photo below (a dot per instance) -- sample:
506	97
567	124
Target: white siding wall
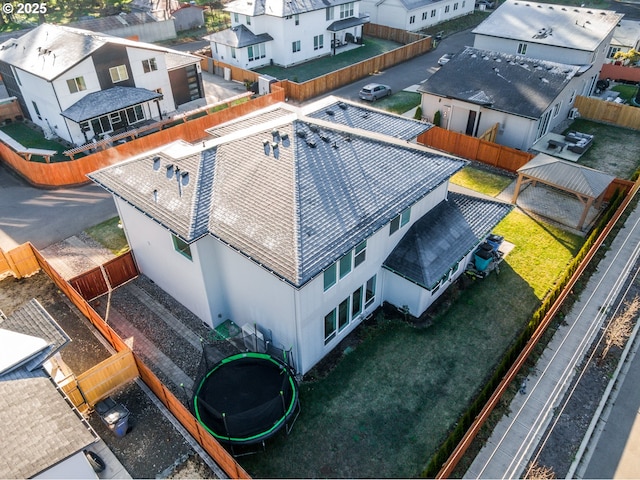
534	50
85	69
152	80
392	13
157	259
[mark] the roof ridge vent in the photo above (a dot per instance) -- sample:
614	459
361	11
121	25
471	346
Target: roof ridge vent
311	143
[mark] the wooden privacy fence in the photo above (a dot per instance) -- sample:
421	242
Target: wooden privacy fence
88	388
19	262
102	279
74	172
177	409
614	113
463	445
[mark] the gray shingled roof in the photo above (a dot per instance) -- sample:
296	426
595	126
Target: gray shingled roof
294	214
50	50
578	28
238	37
354	115
413	4
509	83
32	319
39	429
350	22
112	22
280	8
106	101
265	116
566	175
443	237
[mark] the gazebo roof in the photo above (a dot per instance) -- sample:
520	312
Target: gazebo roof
566	176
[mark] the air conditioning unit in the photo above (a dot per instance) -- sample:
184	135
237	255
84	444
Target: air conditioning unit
253	338
574	113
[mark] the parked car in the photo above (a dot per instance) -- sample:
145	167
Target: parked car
374	91
486	3
445	58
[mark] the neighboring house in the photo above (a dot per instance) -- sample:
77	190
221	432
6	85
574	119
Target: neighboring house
188	16
42	437
78	85
415	15
140	26
300	222
625	37
158	9
558	33
478	89
286	32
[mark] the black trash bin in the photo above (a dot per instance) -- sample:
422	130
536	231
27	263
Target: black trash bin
114	415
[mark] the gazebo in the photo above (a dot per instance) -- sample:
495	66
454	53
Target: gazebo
587	184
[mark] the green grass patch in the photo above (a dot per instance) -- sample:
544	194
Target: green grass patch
31	138
110	236
627	92
321	66
389	404
481	180
399	102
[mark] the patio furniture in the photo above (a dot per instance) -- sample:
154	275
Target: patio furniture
578	142
552	143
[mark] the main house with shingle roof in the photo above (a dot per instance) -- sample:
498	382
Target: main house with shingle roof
528	63
78	85
286	32
300	222
414	15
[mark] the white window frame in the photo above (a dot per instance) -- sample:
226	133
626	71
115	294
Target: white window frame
76	84
119	73
149	65
295	46
522	48
318	42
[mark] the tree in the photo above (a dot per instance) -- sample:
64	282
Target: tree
630	57
620	327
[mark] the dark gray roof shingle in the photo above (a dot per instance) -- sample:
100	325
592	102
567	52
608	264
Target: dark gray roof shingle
509	83
106	101
441	238
238	37
280	8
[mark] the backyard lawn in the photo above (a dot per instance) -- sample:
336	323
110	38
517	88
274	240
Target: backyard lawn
390	402
28	137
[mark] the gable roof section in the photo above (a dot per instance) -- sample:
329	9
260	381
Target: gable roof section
443	237
39	433
567	176
578	28
350	114
238	36
509	83
113	22
106	101
294	208
50	50
280	8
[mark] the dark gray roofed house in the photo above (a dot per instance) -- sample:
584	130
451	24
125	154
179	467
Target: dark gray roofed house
140	25
285	217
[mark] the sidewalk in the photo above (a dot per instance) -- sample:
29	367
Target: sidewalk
514	439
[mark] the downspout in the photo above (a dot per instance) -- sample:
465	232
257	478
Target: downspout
296	313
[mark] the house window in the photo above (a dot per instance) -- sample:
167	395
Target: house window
612	51
399	221
360	253
233	52
446	9
343	314
101	125
556	110
330	277
346	10
412	19
573	97
330	13
318	42
76	84
135	114
181	246
236	18
424	15
295	46
455	6
256	51
114	117
433	13
356	303
463	3
37	110
370	292
149	65
345	264
522	48
329	326
296	19
405	217
119	73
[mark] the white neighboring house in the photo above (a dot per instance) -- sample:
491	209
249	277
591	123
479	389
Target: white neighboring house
78	84
286	32
414	15
558	33
300	222
625	37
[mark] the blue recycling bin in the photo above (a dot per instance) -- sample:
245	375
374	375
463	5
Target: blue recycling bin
114	415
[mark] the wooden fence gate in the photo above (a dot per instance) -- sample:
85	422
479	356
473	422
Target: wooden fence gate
102	279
